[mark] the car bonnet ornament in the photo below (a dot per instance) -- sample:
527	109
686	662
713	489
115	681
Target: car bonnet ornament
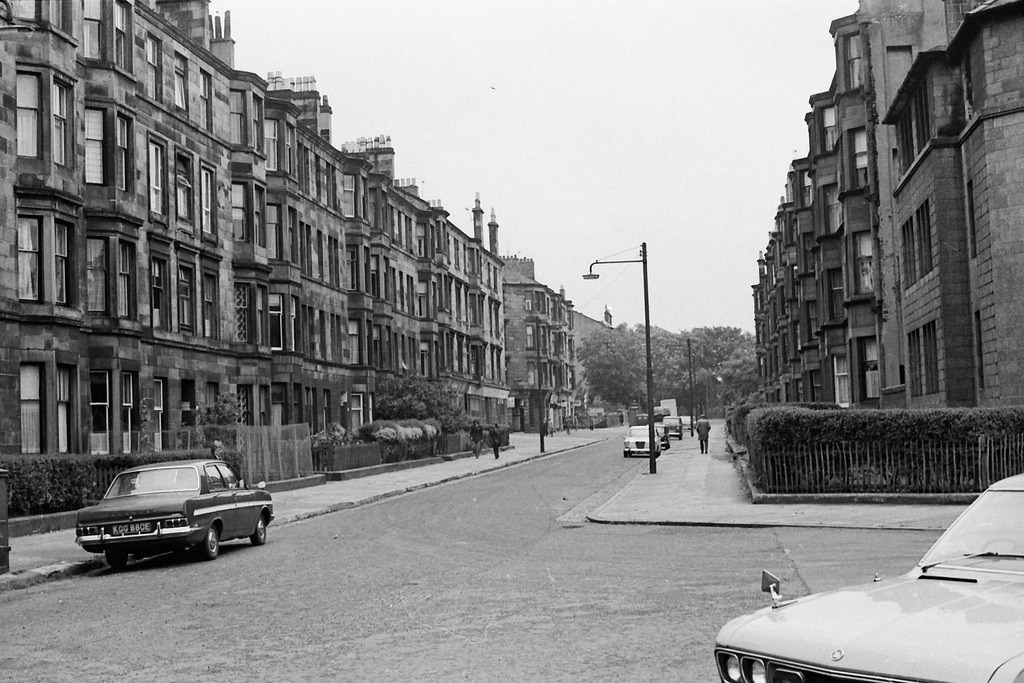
837	654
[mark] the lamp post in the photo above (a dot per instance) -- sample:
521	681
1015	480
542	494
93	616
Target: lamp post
540	392
591	275
689	362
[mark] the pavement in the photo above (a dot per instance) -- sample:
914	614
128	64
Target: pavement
688	489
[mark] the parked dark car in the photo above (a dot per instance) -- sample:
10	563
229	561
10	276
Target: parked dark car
189	504
675	426
957	617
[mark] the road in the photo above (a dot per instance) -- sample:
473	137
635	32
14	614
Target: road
492	578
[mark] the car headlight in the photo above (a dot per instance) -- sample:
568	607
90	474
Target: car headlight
757	673
732	668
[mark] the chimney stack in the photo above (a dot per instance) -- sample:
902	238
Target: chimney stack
493	229
223	45
478	221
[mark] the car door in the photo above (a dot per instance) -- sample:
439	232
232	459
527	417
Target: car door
245	512
222	501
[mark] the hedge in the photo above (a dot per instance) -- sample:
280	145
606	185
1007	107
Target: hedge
793	449
44	484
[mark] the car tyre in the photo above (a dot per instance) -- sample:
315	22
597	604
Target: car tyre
625	454
117	559
210	546
259	535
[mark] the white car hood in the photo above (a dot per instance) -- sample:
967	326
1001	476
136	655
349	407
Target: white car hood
919	629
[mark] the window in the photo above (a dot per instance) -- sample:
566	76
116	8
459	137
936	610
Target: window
62	243
853	74
860	158
122	31
259	227
261	314
157	174
531	337
206	199
30	275
29	106
209	305
94	146
154	68
237	117
841	380
355	411
865	279
96	274
293	342
99	408
835	293
183	187
275	247
206	100
930	356
923	219
270	128
909	264
158	294
129	417
256	135
65	414
123	154
276	310
180	82
238	217
869	368
159	400
808	189
92	33
186	285
31	394
289	147
242	313
61	133
914	358
830	133
126	281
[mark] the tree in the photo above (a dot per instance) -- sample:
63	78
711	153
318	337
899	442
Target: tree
413	396
614	362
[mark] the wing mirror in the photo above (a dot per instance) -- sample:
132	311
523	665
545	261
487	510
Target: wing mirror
262	485
771	584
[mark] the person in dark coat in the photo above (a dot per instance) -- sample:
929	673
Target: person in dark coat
495	440
476	435
703	429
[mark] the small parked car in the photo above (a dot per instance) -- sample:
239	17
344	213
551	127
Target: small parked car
188	504
675	426
957	617
636	440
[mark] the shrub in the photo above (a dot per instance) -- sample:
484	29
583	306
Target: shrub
403	439
44	484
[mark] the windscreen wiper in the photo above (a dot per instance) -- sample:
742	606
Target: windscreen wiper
968	556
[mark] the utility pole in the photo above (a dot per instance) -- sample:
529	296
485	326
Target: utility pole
689	355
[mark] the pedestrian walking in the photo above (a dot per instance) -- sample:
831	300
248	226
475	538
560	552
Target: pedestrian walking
495	440
476	435
703	429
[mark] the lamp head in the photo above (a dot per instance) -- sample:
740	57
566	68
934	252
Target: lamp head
591	276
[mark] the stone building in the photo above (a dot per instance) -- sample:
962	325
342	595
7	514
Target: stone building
828	301
176	229
540	349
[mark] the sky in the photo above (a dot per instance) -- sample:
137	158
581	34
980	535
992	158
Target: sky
588	126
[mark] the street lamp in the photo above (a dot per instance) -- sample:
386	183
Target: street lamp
591	275
689	362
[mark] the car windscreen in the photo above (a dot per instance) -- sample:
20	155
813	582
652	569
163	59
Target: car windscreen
991	525
162	480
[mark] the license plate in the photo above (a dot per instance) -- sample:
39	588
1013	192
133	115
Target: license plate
131	528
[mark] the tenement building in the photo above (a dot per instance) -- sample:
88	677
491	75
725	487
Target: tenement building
540	345
175	229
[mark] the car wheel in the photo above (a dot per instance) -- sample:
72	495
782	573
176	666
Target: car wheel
117	559
625	454
259	535
210	546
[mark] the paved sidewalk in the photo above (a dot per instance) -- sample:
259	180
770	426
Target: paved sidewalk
688	489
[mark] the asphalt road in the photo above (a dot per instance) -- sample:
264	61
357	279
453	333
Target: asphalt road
492	578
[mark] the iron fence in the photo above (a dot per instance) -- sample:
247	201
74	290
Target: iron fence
914	466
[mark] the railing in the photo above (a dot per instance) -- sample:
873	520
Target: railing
890	467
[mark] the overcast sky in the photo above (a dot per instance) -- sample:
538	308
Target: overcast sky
589	126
